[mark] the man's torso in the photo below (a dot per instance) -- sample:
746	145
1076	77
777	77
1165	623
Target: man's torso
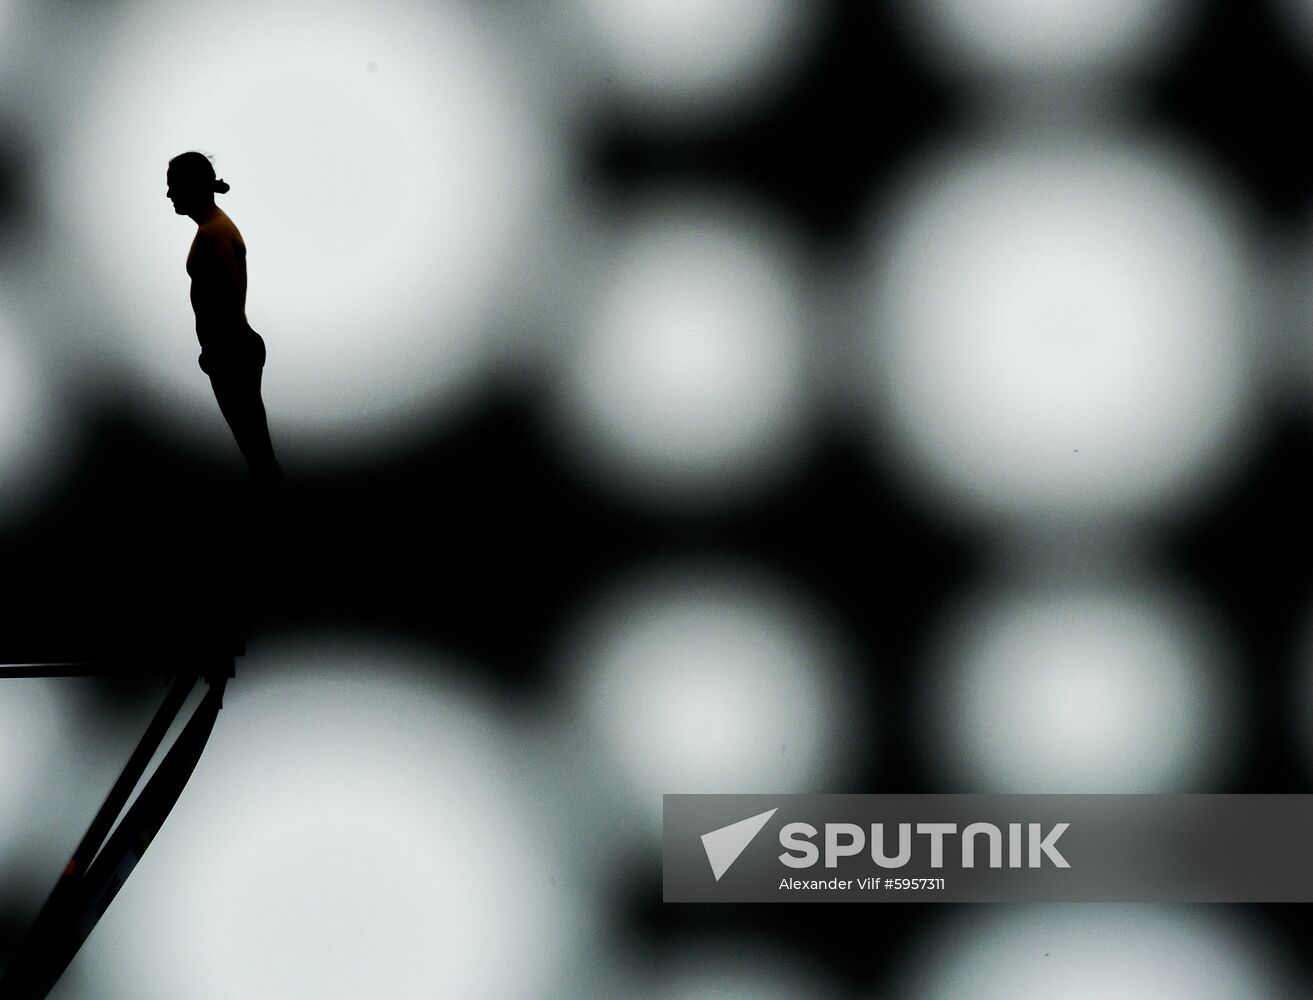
217	266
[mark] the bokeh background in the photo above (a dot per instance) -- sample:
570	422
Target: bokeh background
735	396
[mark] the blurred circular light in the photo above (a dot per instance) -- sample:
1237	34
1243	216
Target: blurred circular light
1059	689
34	439
1048	37
355	827
385	165
1299	13
682	62
1091	952
32	728
712	679
715	967
761	973
688	380
1057	330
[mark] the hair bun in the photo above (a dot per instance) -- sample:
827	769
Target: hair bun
221	186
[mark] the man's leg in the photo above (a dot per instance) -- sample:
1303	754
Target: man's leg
238	395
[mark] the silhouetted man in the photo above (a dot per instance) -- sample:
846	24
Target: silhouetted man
232	354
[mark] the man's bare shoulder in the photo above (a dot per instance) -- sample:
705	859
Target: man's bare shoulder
220	235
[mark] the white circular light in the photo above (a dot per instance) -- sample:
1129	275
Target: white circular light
6	12
683	62
1057	330
712	973
61	748
1091	952
34	439
712	679
33	727
1060	689
714	967
385	170
354	826
1050	37
688	381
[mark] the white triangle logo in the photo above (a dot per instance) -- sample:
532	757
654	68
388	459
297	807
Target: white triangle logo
724	846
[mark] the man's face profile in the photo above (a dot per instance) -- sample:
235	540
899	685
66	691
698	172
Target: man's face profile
174	194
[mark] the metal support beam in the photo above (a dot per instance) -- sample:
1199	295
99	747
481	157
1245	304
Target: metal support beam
94	874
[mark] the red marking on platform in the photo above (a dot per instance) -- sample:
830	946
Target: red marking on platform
71	868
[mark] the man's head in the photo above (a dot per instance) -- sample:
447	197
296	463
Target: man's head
191	183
